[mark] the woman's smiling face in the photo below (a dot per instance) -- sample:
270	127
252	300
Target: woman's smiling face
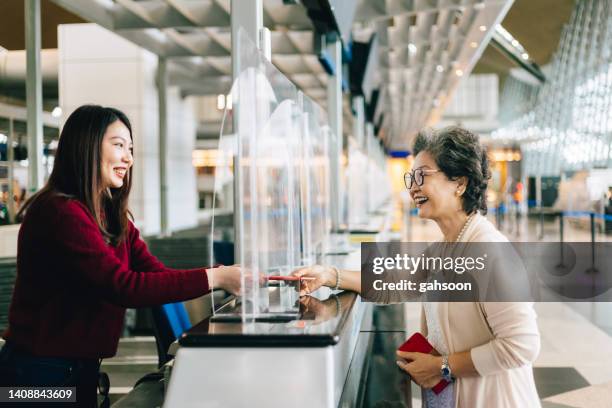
437	196
116	155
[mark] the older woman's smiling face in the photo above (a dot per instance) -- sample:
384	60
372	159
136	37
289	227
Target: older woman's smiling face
437	197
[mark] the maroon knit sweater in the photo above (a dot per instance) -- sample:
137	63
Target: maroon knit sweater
72	287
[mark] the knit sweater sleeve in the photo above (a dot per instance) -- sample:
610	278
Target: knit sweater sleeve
516	339
141	259
90	263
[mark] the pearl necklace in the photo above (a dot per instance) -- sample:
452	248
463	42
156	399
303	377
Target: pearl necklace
467	222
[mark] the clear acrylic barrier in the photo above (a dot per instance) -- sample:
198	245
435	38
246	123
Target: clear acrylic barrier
280	153
357	191
223	199
315	183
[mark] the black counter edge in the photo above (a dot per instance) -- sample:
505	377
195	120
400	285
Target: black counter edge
195	339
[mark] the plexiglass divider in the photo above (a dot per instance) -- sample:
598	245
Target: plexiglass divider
356	170
280	148
315	182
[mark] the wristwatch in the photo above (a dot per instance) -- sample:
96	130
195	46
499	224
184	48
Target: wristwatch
445	370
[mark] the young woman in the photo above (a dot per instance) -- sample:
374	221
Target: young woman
487	347
81	262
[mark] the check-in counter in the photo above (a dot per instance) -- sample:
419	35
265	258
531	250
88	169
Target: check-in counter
299	363
322	359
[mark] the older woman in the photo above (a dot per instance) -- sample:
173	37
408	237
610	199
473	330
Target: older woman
485	348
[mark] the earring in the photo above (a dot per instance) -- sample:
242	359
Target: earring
457	192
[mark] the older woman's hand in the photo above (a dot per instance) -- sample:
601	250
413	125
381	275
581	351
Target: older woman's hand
321	276
423	368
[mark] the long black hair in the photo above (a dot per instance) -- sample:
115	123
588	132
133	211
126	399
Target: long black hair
77	171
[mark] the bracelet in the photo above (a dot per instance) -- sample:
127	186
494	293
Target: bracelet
337	287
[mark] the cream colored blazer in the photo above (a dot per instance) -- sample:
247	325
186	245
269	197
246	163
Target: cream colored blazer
502	337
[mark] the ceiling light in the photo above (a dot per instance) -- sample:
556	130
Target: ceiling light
483	28
459	72
197	60
56	112
440	68
473	44
220	101
156	34
109	4
505	37
412	48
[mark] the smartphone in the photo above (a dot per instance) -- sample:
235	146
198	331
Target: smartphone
419	344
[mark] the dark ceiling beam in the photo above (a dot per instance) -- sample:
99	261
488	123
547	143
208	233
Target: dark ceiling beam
149	41
89	11
531	67
200	45
204	86
171	15
160	15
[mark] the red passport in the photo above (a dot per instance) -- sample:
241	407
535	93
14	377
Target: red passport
419	344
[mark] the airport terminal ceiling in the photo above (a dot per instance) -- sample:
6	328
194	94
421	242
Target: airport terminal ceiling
200	44
537	26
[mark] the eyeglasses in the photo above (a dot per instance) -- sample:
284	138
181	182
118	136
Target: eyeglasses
417	176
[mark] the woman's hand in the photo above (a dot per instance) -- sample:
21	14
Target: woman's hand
423	368
225	277
322	276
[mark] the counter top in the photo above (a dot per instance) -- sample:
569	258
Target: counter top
321	323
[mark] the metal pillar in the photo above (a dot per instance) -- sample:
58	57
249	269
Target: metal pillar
33	95
162	95
359	120
561	264
334	109
248	15
592	268
10	158
369	146
538	182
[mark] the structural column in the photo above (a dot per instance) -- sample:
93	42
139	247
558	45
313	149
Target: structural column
248	15
359	120
334	109
538	188
33	95
10	157
369	149
162	94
